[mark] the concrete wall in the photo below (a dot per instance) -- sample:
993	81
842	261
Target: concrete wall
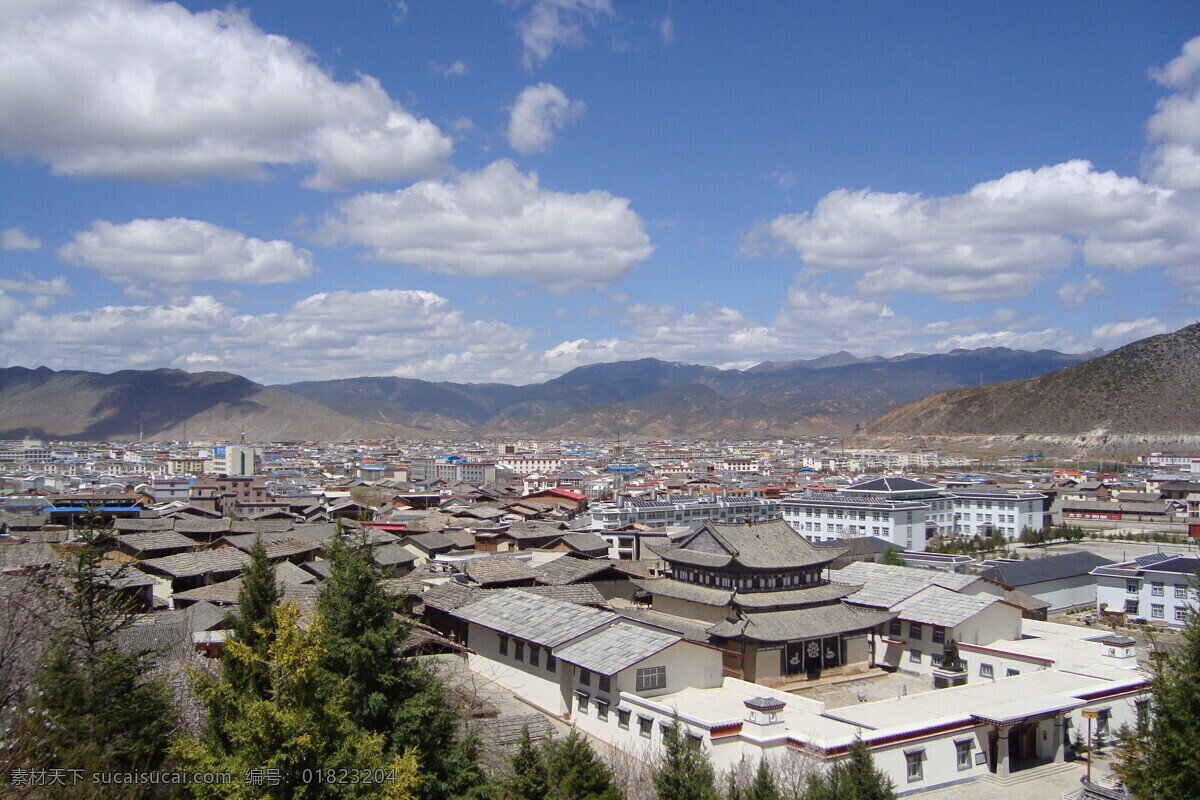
538	685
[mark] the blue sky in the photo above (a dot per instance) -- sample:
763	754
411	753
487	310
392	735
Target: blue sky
479	191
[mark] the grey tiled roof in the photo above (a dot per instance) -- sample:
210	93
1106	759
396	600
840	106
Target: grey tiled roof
678	590
803	623
569	569
227	559
896	484
762	545
618	646
540	620
945	608
155	540
1037	570
884	585
498	569
794	598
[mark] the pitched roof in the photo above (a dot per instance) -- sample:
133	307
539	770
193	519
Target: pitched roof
570	569
803	623
616	647
541	620
762	545
884	585
944	608
227	559
498	569
1038	570
893	484
155	540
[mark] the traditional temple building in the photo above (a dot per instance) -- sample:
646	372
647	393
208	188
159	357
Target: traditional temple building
764	594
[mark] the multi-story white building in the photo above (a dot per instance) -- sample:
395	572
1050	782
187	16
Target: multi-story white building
984	510
683	510
1156	587
895	509
520	467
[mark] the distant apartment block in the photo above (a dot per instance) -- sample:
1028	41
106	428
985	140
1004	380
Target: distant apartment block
1156	587
683	510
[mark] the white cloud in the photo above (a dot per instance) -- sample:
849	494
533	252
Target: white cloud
399	12
551	23
28	284
999	239
150	91
334	334
538	112
17	239
1175	161
666	29
497	222
177	250
455	70
1075	293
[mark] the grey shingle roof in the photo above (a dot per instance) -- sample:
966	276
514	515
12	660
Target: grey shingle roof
945	608
569	569
884	585
1038	570
498	569
155	540
896	484
618	646
763	545
540	620
803	623
227	559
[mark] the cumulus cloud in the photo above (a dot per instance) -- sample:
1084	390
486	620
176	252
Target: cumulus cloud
178	250
497	222
334	334
1075	293
150	91
17	239
538	112
551	23
1175	126
28	284
999	239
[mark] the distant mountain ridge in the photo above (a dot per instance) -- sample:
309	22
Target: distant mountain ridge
647	397
1147	391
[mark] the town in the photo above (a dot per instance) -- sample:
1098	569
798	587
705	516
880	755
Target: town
967	621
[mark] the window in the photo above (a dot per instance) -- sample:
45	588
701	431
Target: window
1008	673
1157	610
1181	613
939	634
962	753
503	645
935	659
550	662
623	718
896	628
585	677
645	726
914	656
912	763
1102	721
649	678
605	684
1131	587
1131	606
519	650
985	670
533	655
914	631
601	711
1156	588
581	702
1180	591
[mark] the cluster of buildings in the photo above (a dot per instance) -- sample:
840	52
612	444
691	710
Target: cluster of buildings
625	590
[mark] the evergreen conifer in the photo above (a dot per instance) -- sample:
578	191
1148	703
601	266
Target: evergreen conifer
254	624
684	773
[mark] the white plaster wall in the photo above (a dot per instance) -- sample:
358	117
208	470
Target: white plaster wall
537	684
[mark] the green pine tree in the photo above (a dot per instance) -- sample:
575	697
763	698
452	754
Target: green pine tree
684	772
763	787
576	773
254	623
1160	759
397	697
855	778
891	556
528	778
97	709
278	746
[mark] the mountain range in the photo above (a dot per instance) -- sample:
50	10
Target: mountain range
645	398
1141	397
